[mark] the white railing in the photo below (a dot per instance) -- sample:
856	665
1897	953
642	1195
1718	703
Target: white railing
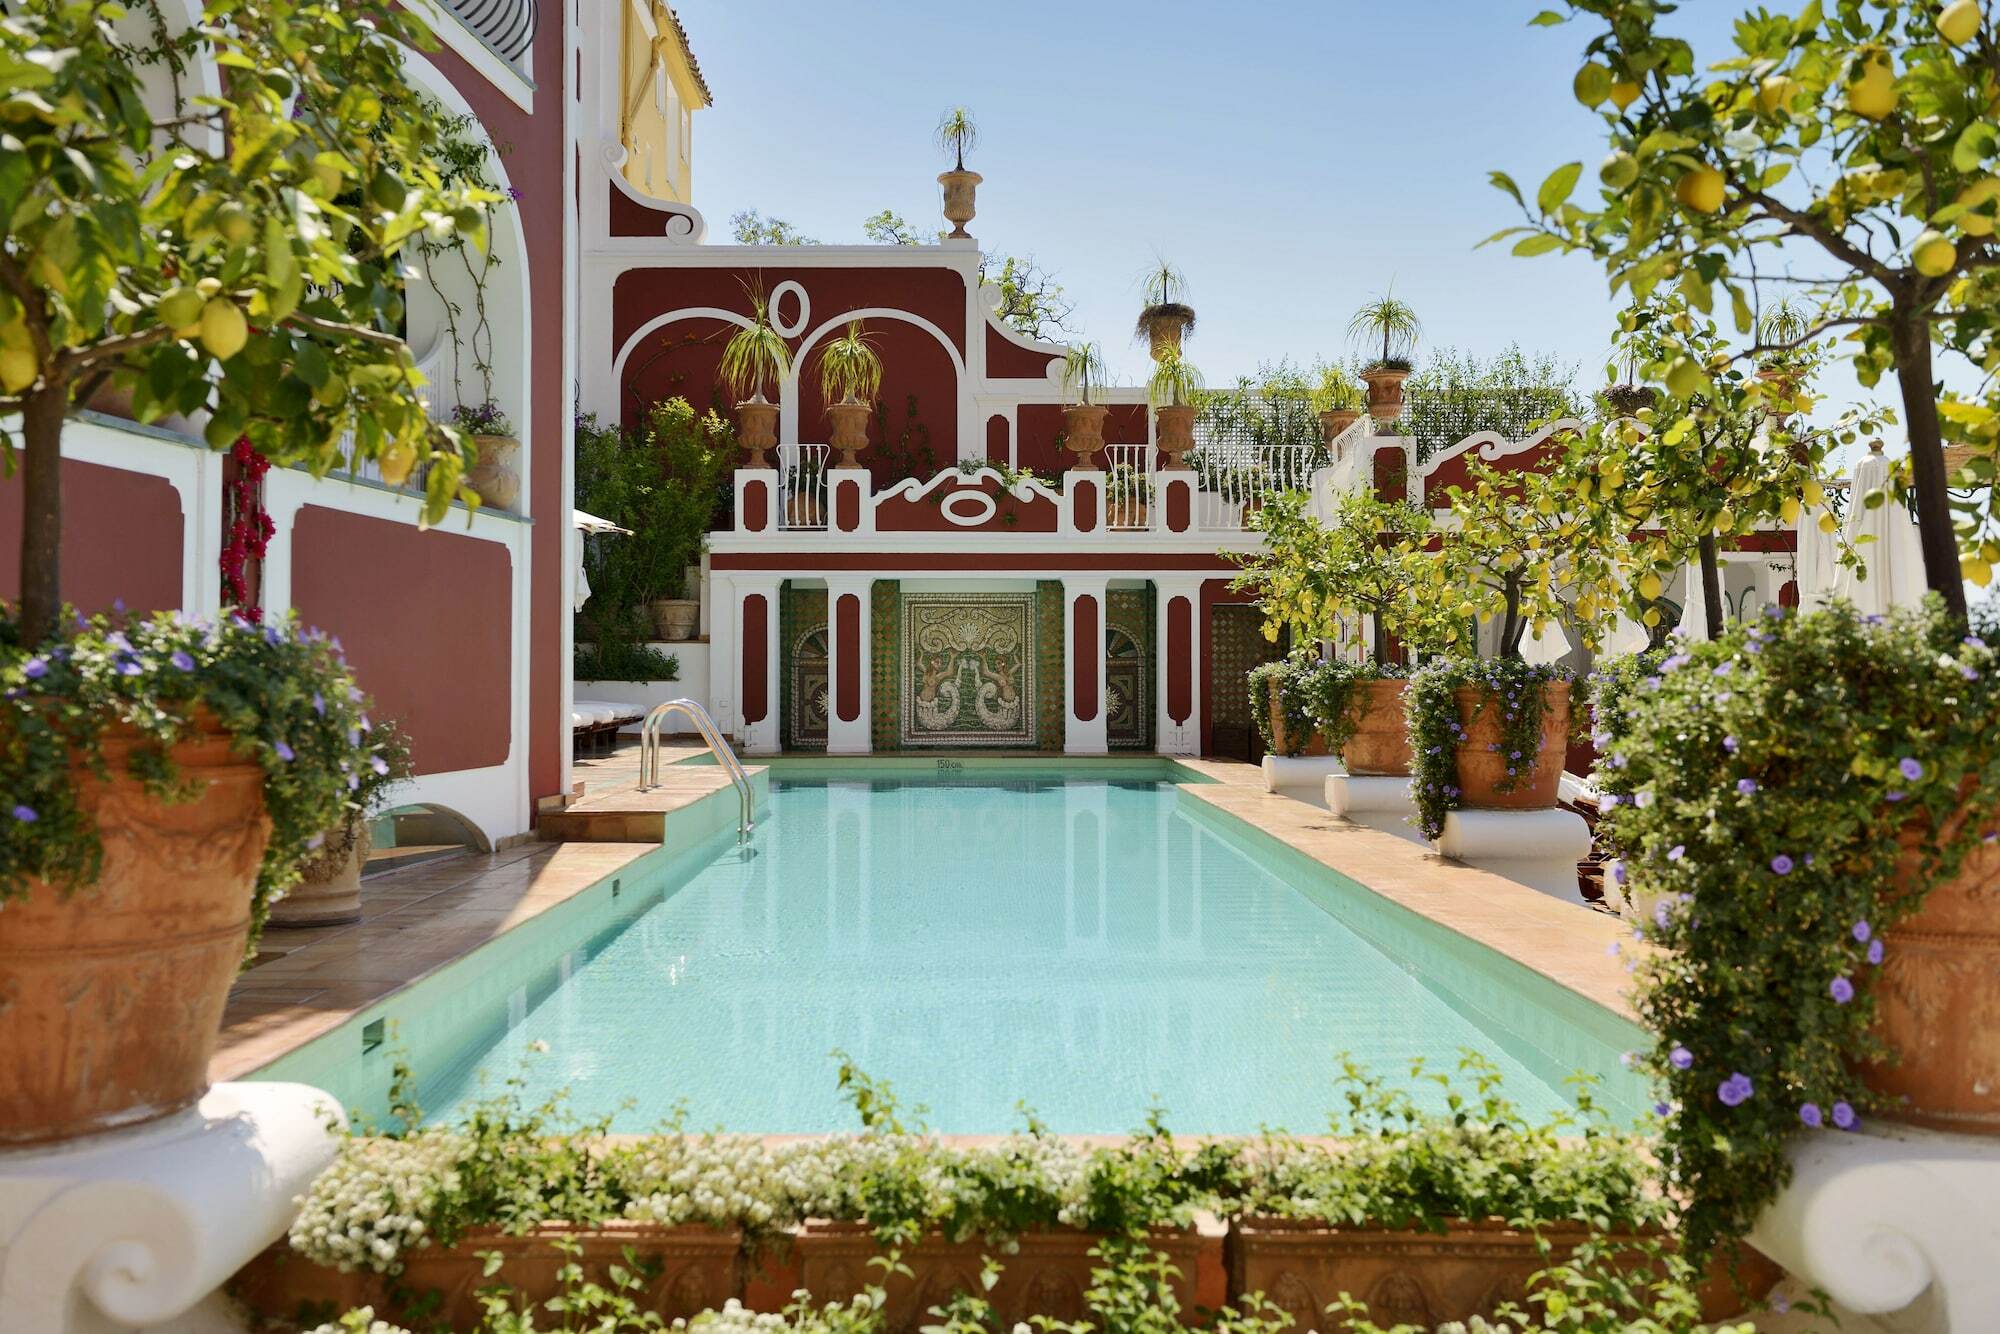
1128	495
802	487
1234	479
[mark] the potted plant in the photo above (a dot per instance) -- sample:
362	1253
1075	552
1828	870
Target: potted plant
1339	400
1167	318
496	472
1394	324
329	889
1174	391
164	777
1278	703
956	132
1083	420
756	355
850	376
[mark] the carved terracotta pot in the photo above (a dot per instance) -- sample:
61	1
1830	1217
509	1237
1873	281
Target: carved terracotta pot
329	888
1937	996
675	619
1333	423
698	1268
849	433
960	188
497	474
1083	433
1385	392
111	998
1482	766
756	430
1175	434
1047	1276
1380	745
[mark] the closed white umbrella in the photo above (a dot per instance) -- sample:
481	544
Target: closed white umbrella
579	592
1817	560
1551	645
1886	540
1694	606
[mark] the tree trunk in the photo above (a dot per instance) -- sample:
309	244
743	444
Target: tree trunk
41	512
1381	641
1511	628
1711	584
1910	339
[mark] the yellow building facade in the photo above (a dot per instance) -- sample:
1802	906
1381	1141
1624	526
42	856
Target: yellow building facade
663	88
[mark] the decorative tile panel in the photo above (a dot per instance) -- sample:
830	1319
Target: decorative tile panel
1128	668
1049	682
969	675
802	668
885	661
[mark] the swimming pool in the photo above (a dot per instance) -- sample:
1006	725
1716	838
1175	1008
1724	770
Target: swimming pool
1090	941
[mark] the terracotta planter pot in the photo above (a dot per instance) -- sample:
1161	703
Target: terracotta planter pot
698	1268
111	998
1333	423
1482	767
1175	434
675	619
1385	392
1380	746
329	888
1424	1278
1282	739
756	430
1937	995
1164	336
849	433
1083	432
960	189
1047	1276
497	474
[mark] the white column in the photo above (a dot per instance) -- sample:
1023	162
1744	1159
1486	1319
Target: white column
725	616
1171	738
760	737
1083	736
849	737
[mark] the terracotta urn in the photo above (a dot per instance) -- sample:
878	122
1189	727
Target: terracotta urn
1333	423
675	619
1482	767
1083	434
496	475
111	997
756	430
1283	742
1937	992
959	189
1385	392
849	433
1175	434
329	888
1380	745
1164	336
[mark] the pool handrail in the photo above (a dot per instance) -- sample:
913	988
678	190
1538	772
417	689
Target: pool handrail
718	745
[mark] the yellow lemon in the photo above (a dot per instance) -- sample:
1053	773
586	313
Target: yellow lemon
395	462
1684	378
224	331
1700	190
1652	616
1814	493
1934	254
1974	196
1828	524
1871	86
14	337
1619	170
180	308
1649	586
1776	92
233	220
1592	84
18	369
1976	570
1789	510
1958	22
1623	94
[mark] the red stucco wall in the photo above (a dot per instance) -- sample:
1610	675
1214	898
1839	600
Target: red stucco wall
122	539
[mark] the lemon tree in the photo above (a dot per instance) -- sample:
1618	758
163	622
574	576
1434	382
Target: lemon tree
233	254
1845	155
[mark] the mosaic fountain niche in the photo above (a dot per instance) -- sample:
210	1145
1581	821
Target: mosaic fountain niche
969	668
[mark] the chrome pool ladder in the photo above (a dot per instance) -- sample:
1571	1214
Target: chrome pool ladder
718	745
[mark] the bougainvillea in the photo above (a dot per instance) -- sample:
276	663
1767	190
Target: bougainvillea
247	530
1757	788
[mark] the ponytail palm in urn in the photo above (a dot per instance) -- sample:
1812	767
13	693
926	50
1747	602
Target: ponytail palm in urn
754	356
1173	390
1168	318
1386	331
850	376
956	133
1083	420
240	255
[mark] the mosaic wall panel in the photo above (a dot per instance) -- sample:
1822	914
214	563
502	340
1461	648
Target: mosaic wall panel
885	664
1239	647
803	699
1128	668
1049	683
969	669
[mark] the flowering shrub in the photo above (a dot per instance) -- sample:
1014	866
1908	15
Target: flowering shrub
248	526
285	697
1288	677
1517	689
1756	789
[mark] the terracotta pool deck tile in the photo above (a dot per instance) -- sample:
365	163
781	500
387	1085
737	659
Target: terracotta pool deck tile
1568	944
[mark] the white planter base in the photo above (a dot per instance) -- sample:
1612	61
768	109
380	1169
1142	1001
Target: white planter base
134	1229
1379	803
1539	849
1289	774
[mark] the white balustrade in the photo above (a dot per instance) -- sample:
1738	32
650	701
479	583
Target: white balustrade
802	487
1234	479
1128	487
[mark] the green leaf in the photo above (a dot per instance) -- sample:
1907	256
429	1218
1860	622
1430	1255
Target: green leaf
1776	172
1502	181
1541	243
277	250
1741	309
1548	18
1559	185
1975	145
1502	235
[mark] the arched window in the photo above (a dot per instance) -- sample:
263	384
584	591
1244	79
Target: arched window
1127	711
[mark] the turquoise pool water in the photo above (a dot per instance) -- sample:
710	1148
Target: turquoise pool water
1090	944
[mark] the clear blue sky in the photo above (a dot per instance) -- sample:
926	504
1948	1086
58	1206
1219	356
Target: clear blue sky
1292	159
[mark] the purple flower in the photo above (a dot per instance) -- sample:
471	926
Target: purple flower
1862	930
1892	796
1729	744
1618	873
1736	1090
1612	948
1910	768
36	669
379	765
1723	670
1841	990
1660	914
314	843
1676	852
1609	802
1680	1058
353	781
1843	1116
1810	1114
1746	785
182	659
1875	952
284	751
1781	864
26	814
1642	799
1662	1109
319	704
